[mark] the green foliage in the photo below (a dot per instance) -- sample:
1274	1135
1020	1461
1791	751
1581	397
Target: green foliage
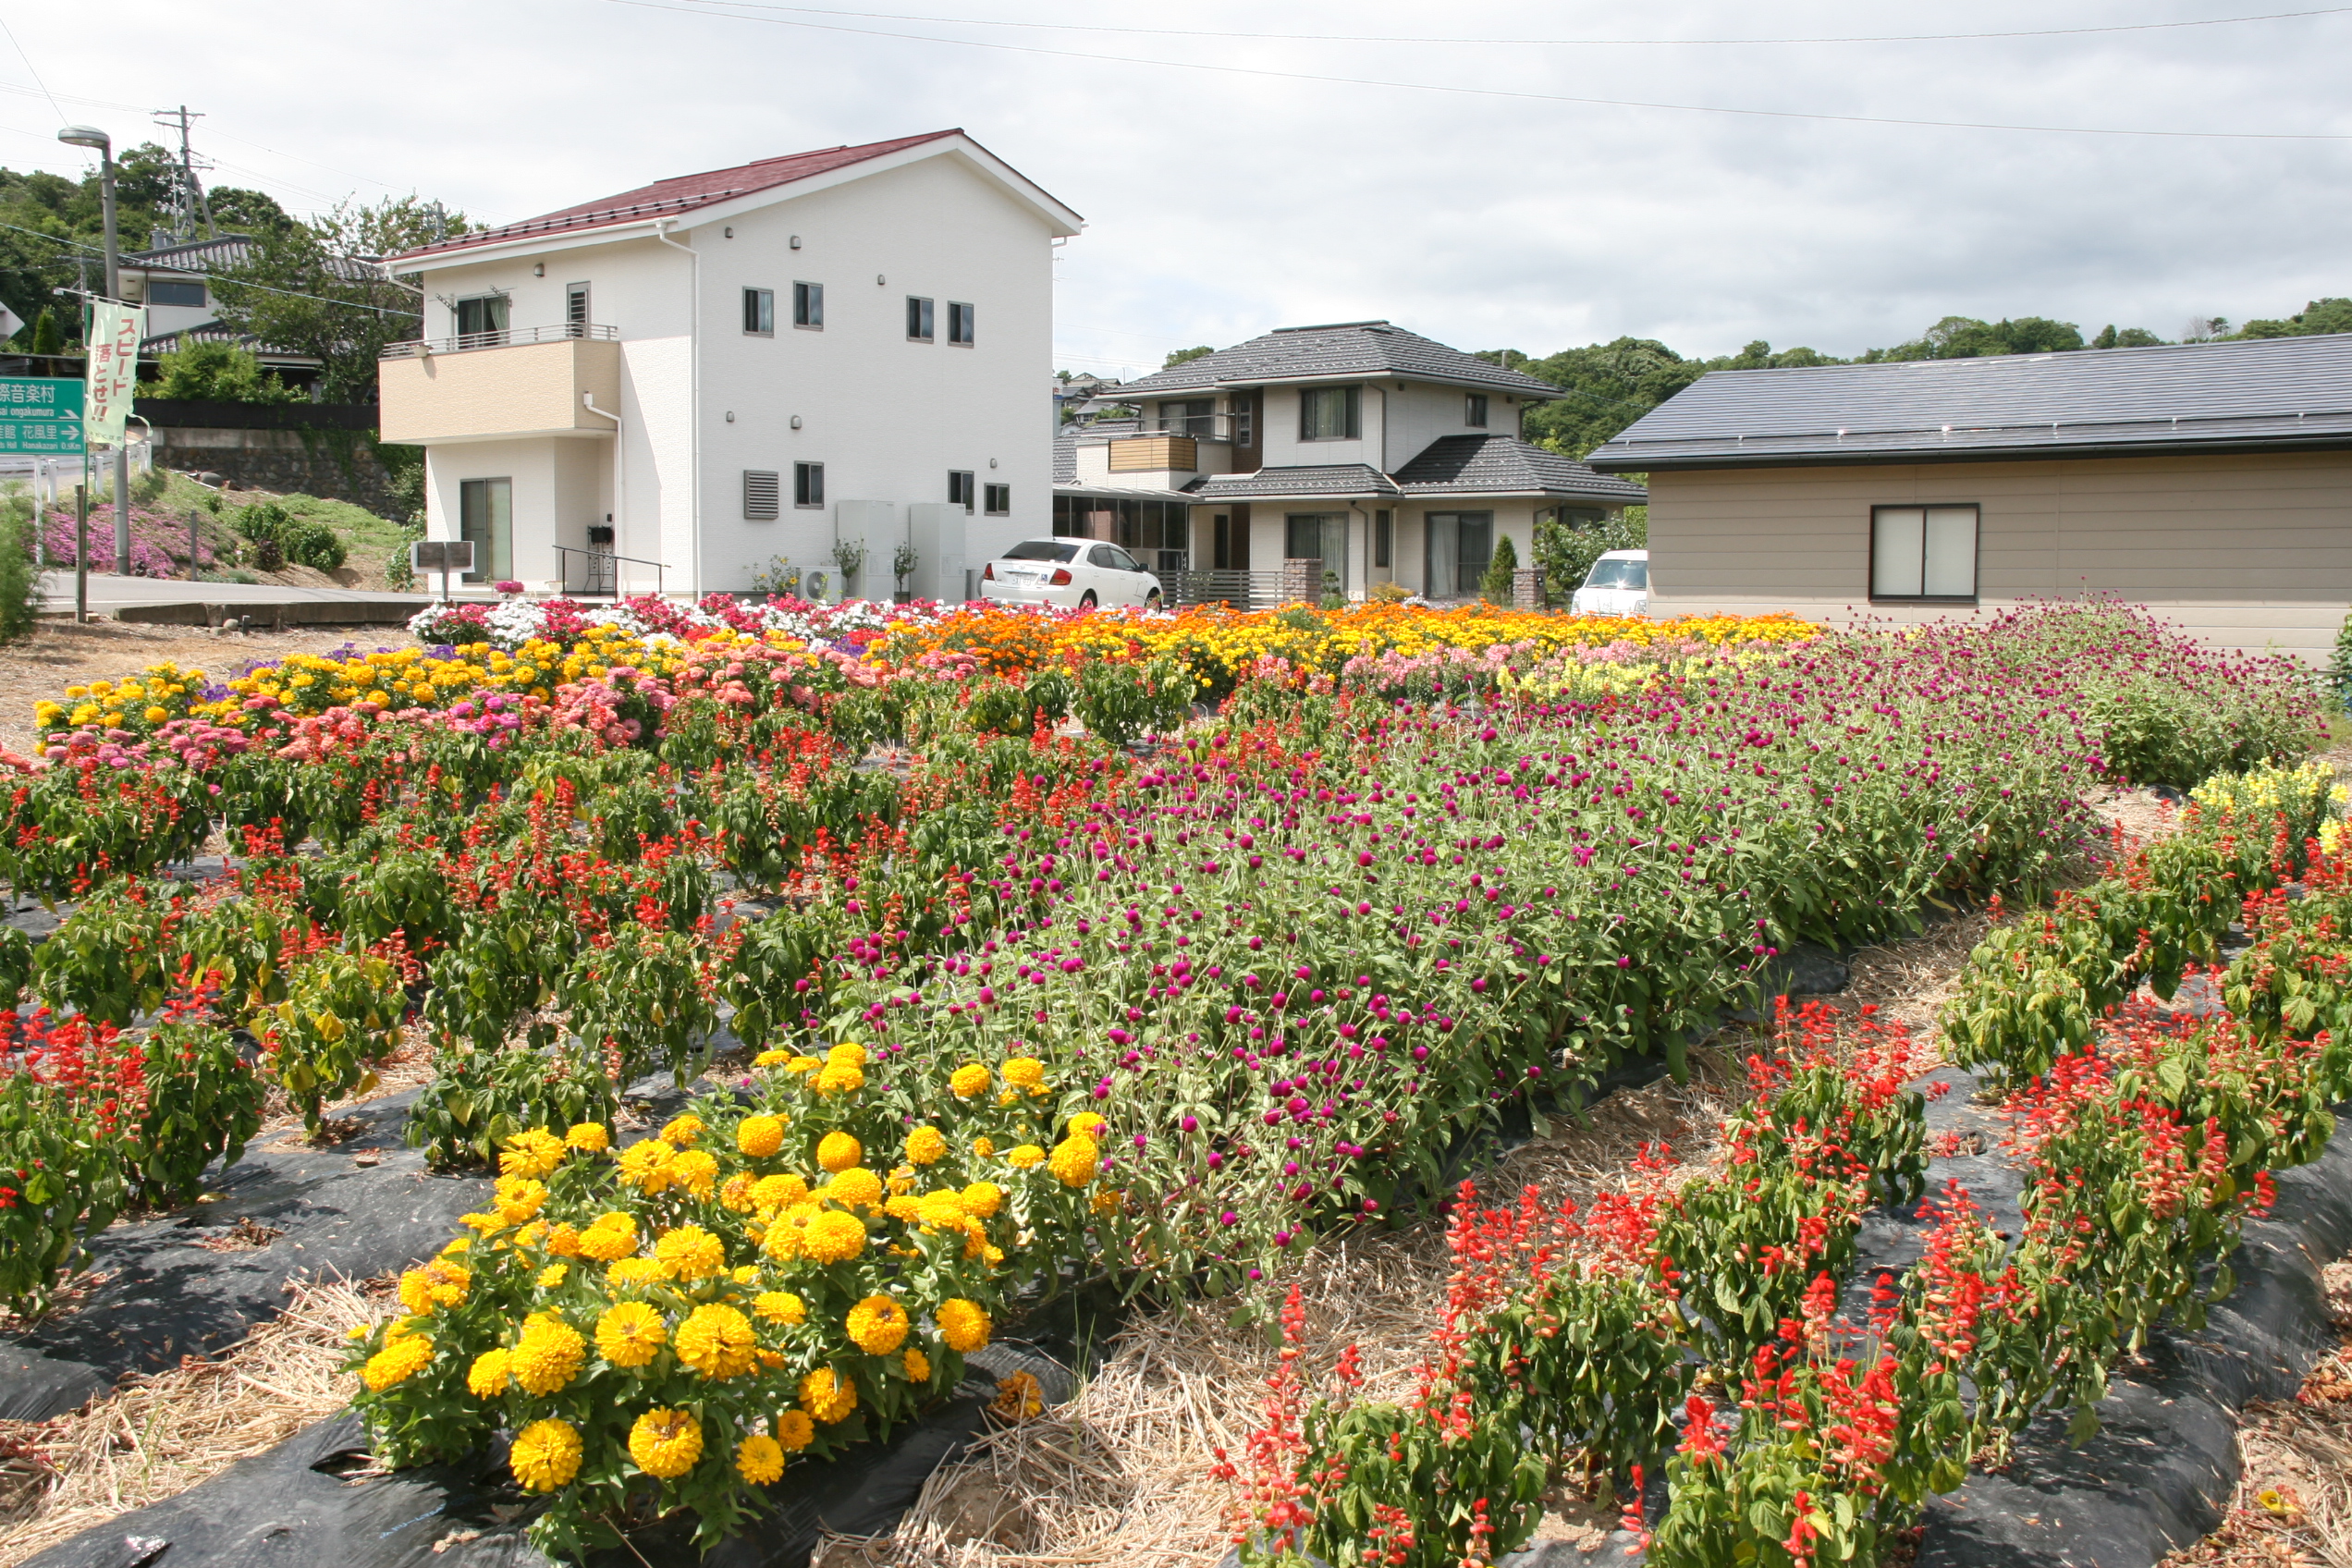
1566	551
216	373
478	1099
1495	586
341	1015
203	1102
20	596
48	337
2130	337
2330	314
1185	356
1965	337
295	537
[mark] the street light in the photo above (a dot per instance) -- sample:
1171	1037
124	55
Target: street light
98	142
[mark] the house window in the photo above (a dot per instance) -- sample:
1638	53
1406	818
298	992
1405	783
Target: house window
808	306
160	292
1195	417
918	320
960	488
1244	422
761	492
1221	542
485	519
808	485
759	312
1320	536
959	324
1381	537
1458	546
482	320
1923	553
1474	409
1000	500
575	307
1331	414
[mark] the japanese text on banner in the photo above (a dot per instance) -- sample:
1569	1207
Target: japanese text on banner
113	374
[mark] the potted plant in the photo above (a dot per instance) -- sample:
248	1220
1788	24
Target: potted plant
849	559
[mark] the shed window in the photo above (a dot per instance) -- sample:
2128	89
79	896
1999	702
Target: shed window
1923	553
762	489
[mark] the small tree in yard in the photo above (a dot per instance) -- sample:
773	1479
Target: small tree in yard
1495	586
849	559
902	564
19	584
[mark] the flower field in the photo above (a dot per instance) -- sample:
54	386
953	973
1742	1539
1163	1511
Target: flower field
1150	1000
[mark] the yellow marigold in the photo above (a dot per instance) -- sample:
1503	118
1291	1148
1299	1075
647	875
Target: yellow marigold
563	1240
665	1443
838	1078
964	1324
1075	1161
981	1199
976	1240
682	1131
717	1340
629	1333
531	1235
548	1355
828	1395
1026	1156
794	1430
759	1459
856	1187
534	1153
1025	1072
833	1237
918	1366
631	1271
486	1379
691	1252
848	1053
771	1059
780	1307
902	1179
805	1064
943	1209
968	1080
788	1232
646	1166
759	1136
745	1274
396	1362
984	1147
612	1236
735	1193
839	1151
545	1455
694	1169
904	1208
1087	1125
589	1137
554	1275
877	1325
778	1191
925	1145
1108	1201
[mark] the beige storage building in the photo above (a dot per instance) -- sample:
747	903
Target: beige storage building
2211	482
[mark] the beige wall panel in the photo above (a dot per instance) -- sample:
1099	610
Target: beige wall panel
483	394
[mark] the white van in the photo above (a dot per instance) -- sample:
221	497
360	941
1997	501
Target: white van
1617	585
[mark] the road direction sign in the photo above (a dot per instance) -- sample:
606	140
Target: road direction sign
40	417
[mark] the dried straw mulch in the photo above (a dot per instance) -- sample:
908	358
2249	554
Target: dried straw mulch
159	1435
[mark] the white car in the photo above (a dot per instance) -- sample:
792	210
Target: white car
1617	585
1074	574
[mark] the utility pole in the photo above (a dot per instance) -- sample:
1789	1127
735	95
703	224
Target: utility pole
98	141
82	554
188	200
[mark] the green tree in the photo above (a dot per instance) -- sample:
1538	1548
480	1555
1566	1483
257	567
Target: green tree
48	337
1496	585
2130	337
217	373
2330	314
1566	550
315	288
20	583
1185	356
1965	337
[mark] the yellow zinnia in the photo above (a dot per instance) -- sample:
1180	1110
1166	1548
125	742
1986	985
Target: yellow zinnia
665	1443
545	1455
630	1334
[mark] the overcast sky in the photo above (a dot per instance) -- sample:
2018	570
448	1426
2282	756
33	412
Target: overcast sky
1223	201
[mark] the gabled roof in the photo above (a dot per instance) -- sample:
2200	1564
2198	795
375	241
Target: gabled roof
215	332
1332	480
1065	450
1356	349
685	194
224	250
1504	465
2265	394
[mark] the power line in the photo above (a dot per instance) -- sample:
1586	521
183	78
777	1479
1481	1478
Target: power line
1522	43
33	69
1265	72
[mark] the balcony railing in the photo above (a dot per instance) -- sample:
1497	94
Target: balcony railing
504	338
1200	427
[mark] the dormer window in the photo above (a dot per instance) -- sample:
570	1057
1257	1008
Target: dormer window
1331	414
1474	411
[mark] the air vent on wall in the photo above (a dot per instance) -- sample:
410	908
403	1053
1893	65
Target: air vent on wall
762	490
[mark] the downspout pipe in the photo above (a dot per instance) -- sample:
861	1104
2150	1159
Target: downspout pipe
695	406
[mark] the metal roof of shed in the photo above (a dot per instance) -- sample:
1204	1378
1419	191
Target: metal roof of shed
2263	393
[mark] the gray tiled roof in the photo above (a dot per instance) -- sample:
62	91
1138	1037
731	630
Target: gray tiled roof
1504	465
225	250
1333	481
1065	450
2277	392
1358	348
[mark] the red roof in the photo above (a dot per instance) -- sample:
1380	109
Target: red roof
686	193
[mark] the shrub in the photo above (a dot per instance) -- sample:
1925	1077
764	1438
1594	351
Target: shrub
1496	587
20	596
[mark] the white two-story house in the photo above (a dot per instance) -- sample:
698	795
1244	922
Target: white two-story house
1388	457
670	388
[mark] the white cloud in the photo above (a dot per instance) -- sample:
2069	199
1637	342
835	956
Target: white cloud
1221	204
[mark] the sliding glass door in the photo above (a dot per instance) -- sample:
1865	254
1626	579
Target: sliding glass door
1459	546
485	516
1320	536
